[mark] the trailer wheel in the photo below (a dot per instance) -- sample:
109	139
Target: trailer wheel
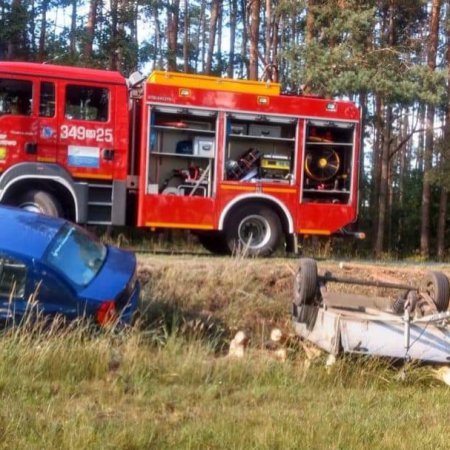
214	242
306	282
436	285
407	300
40	202
254	229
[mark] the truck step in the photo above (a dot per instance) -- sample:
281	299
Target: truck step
99	203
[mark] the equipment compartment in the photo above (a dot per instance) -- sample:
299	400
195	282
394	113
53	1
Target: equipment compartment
328	158
260	147
182	151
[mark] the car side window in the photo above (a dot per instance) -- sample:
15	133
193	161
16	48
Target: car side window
13	276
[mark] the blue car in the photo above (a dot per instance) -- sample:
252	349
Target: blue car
53	267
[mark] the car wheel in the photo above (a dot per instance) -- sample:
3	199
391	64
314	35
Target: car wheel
436	285
40	202
306	282
255	230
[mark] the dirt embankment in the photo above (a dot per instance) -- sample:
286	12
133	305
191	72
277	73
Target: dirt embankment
252	294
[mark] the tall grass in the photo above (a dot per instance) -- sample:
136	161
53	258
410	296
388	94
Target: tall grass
75	390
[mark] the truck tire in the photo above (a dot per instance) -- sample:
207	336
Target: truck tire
436	285
254	230
40	202
214	242
306	282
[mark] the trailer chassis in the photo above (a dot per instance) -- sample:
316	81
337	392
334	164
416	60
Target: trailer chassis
414	326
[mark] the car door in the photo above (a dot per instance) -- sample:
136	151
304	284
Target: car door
54	294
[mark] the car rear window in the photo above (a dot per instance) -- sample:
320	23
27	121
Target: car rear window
76	254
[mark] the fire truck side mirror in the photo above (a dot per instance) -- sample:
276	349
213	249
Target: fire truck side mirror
135	78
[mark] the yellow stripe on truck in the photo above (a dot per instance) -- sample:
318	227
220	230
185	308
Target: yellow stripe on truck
195	226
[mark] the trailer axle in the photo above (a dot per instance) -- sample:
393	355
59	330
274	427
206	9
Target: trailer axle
328	277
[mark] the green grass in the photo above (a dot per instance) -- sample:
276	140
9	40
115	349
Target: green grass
78	391
168	385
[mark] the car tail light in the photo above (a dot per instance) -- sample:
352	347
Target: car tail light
107	314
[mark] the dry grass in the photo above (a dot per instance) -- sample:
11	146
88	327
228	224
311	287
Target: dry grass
218	295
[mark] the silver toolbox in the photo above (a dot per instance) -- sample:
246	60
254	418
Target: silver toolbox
264	130
238	128
204	146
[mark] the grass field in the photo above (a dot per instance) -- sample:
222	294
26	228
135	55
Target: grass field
168	385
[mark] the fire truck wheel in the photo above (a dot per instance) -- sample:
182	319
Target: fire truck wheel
306	282
41	202
254	230
436	285
214	242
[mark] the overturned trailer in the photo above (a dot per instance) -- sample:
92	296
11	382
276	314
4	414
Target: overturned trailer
412	326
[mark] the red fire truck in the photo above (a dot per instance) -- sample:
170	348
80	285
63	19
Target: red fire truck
235	161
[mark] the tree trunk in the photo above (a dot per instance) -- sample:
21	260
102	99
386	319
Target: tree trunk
73	29
202	49
212	35
173	10
421	138
122	15
428	153
310	22
309	36
114	20
283	30
244	54
43	34
442	223
133	15
384	180
376	167
275	43
267	41
254	7
186	37
32	24
402	175
90	30
157	59
443	201
233	18
220	67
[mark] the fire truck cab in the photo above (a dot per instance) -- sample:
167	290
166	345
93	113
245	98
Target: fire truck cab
235	161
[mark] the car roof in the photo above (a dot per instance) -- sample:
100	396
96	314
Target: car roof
26	233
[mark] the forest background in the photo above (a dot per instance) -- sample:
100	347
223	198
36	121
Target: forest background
392	57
